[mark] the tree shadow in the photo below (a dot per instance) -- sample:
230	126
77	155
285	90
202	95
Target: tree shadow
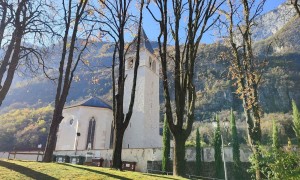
165	176
98	172
25	171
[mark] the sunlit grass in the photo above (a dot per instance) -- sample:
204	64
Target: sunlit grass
11	169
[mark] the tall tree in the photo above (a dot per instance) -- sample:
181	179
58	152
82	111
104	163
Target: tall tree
296	121
235	147
218	151
187	21
166	146
23	27
245	69
74	13
275	136
198	153
116	19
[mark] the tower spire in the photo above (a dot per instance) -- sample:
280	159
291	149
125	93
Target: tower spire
144	43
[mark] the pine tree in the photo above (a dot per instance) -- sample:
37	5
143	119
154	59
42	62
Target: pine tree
218	151
198	152
166	146
235	147
296	121
275	137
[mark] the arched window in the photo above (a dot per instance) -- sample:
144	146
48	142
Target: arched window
154	66
111	144
150	62
71	122
91	134
130	63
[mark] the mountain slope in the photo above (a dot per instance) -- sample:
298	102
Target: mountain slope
214	91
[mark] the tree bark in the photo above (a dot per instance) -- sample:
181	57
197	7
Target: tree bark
65	73
117	148
179	156
184	57
51	140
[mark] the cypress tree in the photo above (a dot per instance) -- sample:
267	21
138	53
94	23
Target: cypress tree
296	121
235	147
218	151
198	152
275	137
166	146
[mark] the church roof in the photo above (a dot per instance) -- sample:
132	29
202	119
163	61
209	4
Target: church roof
145	43
92	102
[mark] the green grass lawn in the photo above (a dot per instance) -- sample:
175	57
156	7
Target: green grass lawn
12	169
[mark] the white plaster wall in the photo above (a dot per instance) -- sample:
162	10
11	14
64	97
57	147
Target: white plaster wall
68	133
103	117
151	126
143	130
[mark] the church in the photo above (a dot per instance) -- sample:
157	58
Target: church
88	125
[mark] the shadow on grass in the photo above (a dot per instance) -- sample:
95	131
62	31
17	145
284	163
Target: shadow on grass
98	172
25	171
160	176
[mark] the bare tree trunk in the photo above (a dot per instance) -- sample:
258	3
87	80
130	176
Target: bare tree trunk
245	70
66	73
117	148
179	164
116	22
51	140
19	20
296	6
184	58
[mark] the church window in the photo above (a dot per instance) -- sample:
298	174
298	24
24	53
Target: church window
154	66
130	63
71	121
150	62
111	136
91	134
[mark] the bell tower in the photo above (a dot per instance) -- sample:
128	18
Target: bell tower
143	129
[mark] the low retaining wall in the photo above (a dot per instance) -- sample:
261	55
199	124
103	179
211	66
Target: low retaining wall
23	155
142	156
208	169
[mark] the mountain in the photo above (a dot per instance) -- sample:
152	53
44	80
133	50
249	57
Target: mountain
270	23
277	37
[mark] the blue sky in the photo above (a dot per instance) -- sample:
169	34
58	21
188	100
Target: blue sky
152	29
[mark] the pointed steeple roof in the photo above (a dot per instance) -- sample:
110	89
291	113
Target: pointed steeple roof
145	43
92	102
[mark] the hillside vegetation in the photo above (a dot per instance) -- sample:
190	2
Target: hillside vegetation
24	128
26	111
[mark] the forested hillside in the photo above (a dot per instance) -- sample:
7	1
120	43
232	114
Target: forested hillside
27	110
24	128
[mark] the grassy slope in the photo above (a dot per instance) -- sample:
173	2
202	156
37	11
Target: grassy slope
10	169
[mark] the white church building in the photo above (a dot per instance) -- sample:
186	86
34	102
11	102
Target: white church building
87	126
86	129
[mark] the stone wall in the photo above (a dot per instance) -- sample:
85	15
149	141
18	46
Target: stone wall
207	169
143	156
20	156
